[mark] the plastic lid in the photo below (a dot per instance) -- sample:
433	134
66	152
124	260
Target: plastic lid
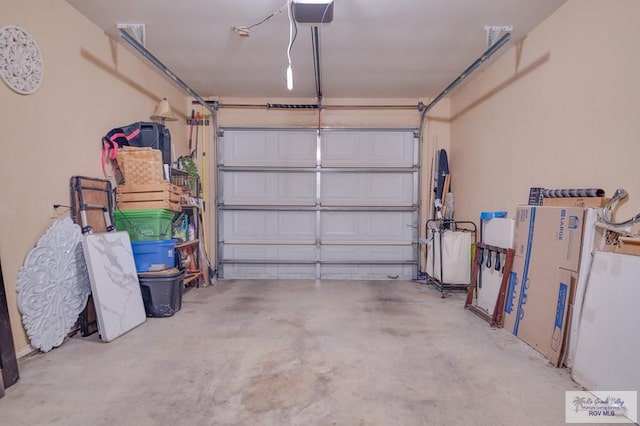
491	215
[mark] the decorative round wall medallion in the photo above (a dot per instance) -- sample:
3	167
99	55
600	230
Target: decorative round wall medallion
53	285
21	66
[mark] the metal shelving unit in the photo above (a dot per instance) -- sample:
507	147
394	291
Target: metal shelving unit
193	276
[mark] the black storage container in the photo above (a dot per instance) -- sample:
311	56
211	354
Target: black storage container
153	135
162	292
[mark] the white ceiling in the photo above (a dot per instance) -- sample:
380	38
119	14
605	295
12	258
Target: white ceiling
372	49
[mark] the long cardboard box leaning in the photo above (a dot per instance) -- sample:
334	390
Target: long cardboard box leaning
547	242
575	202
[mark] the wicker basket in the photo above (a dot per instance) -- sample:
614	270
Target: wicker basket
140	165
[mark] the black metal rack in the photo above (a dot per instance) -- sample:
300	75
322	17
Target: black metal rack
437	230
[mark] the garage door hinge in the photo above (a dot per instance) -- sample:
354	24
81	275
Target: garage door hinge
221	133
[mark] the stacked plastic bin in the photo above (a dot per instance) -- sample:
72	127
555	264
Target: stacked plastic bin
153	248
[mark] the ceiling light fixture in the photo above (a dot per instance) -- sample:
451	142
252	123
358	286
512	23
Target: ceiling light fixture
292	37
289	77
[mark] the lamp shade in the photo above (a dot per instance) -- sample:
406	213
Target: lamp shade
163	112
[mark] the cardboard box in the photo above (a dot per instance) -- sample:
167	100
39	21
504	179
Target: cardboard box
542	319
575	202
549	235
544	315
512	298
546	239
556	343
568	326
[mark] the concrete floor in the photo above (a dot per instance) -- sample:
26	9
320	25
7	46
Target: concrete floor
296	352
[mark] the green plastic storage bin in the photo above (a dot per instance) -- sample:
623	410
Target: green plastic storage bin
145	225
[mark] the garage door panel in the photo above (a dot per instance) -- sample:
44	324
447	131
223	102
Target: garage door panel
339	226
368	149
268	252
389	226
340	188
395	147
296	186
340	148
238	187
295	147
245	226
260	226
296	225
353	216
368	226
367	272
268	271
389	188
245	147
368	189
284	148
247	188
367	253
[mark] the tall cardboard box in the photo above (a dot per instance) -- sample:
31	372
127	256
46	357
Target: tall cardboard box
546	240
549	235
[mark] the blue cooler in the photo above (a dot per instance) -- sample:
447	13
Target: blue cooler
154	255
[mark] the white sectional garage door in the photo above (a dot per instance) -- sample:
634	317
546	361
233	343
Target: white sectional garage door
298	203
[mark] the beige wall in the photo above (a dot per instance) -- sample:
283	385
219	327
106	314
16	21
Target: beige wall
560	110
90	85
